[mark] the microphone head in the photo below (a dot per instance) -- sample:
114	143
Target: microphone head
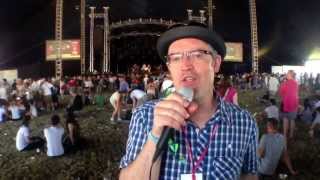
186	92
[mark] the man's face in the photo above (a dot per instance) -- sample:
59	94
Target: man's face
193	72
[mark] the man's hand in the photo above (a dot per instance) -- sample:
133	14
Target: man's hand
172	112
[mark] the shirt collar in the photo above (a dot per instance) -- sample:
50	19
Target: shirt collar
221	114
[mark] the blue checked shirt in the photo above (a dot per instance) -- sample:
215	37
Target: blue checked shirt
232	151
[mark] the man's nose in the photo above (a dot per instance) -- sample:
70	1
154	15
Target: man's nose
186	62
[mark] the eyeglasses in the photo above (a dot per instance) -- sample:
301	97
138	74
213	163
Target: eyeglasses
190	55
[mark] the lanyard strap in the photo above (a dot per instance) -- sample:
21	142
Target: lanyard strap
203	153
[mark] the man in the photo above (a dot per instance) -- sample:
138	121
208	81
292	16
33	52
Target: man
53	135
123	84
24	141
272	147
221	133
273	85
46	87
289	94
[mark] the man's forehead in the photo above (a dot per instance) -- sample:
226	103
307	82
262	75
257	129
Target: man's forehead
187	43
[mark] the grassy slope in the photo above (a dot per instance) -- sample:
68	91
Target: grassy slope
106	143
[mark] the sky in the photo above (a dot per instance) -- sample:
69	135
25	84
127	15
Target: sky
288	30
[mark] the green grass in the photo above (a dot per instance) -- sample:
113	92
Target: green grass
106	144
99	159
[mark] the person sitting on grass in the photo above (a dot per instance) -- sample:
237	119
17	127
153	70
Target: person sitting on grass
315	121
33	109
76	103
272	147
24	141
15	110
53	135
272	111
72	140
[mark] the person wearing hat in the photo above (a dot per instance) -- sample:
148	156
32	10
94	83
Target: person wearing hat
212	139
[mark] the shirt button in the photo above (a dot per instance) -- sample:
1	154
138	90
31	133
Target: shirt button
197	130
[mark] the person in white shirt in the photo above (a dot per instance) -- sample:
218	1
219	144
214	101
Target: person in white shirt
88	84
47	92
138	97
53	135
3	92
33	109
273	85
15	111
167	87
24	141
272	111
145	81
116	102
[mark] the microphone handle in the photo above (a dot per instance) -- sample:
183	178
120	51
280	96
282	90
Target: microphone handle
162	143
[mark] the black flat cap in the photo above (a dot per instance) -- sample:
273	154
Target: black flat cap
192	31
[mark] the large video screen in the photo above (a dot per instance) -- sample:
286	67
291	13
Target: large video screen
70	50
234	52
9	74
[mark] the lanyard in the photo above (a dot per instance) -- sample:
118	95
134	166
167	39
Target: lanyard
203	153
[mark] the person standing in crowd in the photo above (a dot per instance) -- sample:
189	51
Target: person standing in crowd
145	81
46	88
24	141
4	92
151	89
100	99
53	135
289	96
225	136
272	147
228	92
273	85
123	84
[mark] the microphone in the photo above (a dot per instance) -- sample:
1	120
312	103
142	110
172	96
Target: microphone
167	132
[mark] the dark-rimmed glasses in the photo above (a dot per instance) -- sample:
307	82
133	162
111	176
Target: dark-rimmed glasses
198	54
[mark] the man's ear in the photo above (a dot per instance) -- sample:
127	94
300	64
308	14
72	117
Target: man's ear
216	63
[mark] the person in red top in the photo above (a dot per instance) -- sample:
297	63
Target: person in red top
72	82
227	92
289	94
